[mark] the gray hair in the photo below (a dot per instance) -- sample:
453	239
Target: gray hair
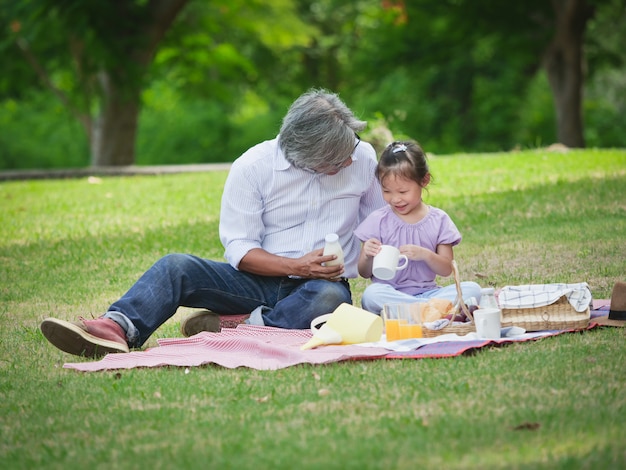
318	131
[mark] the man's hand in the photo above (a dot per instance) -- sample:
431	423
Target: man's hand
311	266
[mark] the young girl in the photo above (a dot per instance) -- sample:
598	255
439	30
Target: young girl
423	233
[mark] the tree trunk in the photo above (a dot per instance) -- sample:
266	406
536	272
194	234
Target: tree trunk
112	132
563	63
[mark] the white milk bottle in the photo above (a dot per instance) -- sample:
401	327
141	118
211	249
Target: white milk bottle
332	247
488	298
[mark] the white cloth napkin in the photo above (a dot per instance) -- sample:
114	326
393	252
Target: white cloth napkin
540	295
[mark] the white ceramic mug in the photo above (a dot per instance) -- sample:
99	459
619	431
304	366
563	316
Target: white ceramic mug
488	323
386	262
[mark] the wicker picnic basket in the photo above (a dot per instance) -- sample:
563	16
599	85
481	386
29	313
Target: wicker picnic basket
557	316
457	328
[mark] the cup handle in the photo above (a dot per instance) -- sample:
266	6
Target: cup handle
317	322
405	264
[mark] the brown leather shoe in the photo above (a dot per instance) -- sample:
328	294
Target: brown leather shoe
89	338
200	320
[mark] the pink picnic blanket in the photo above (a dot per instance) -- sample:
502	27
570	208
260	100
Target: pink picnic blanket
268	348
257	347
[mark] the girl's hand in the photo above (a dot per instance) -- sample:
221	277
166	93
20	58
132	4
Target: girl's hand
371	247
415	252
440	261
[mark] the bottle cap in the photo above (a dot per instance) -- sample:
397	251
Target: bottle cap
332	237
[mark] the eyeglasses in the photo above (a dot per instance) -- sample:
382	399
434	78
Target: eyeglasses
358	141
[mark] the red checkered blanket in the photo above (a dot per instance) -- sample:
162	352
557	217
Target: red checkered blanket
267	348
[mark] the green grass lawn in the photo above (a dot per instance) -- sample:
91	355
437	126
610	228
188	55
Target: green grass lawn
69	248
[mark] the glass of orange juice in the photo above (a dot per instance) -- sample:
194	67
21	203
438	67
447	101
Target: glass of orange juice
402	321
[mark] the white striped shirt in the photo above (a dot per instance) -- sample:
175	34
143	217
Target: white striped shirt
268	203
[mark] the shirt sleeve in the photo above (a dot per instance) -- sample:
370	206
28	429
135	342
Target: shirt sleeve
241	200
370	227
450	234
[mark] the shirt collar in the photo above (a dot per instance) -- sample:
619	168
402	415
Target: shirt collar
280	162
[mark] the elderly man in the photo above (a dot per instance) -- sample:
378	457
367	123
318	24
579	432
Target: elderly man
281	198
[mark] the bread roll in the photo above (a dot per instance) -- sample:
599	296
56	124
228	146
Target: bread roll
436	309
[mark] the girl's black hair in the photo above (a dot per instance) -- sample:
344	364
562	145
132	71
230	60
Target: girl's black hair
403	158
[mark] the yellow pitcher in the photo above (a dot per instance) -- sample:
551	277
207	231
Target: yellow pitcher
346	325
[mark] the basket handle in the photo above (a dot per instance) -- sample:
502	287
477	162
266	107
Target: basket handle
459	293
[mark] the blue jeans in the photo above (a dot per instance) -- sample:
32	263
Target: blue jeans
189	281
377	294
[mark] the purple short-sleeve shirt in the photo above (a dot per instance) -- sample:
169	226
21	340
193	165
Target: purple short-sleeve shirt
437	228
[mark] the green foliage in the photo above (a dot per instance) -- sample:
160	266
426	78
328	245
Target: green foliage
74	41
463	75
175	129
180	131
460	81
217	48
536	117
39	133
457	76
606	36
605	108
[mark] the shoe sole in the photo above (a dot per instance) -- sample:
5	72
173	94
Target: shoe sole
202	320
74	340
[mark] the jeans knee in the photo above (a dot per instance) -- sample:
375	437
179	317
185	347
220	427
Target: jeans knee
336	292
174	261
329	295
